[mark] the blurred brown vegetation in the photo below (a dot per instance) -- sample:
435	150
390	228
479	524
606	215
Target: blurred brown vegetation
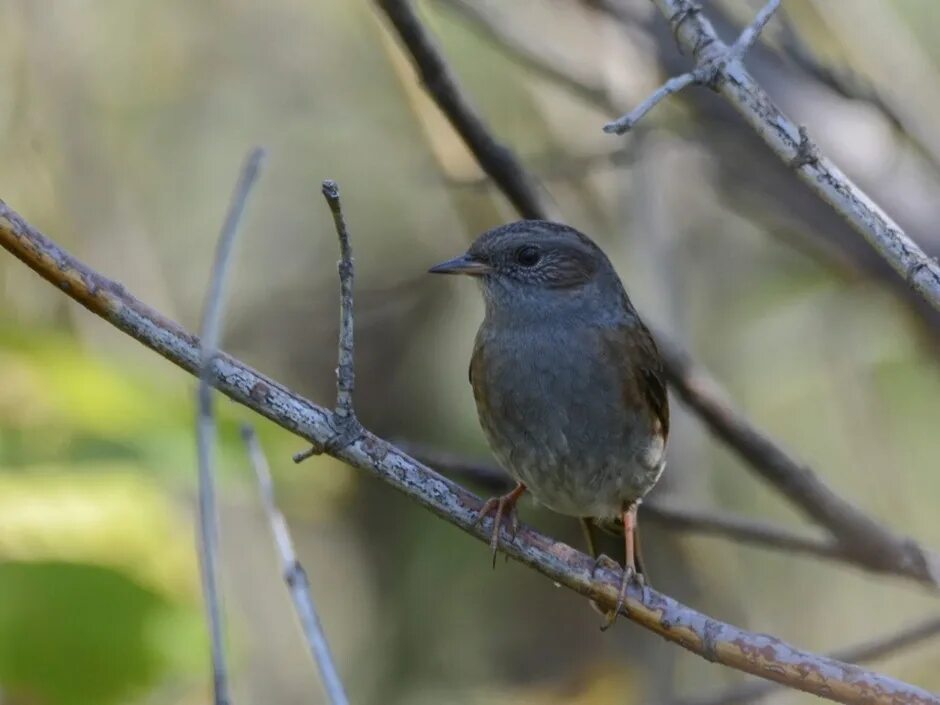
123	126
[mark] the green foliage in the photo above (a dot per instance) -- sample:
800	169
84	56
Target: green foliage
74	633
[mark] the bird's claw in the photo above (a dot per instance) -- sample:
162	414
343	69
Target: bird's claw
629	576
501	508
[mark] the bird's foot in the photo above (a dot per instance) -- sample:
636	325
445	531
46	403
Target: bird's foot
501	508
629	576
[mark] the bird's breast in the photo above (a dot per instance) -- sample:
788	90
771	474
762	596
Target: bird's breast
552	407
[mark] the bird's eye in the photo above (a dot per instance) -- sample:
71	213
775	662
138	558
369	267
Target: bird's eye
528	256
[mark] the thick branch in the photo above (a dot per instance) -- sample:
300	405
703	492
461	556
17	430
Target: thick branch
758	654
872	543
861	653
696	34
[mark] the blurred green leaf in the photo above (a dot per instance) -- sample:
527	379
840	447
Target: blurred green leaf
72	634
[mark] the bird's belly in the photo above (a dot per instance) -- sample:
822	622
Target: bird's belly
561	427
582	485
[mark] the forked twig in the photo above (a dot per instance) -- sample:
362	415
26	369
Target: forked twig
708	67
725	73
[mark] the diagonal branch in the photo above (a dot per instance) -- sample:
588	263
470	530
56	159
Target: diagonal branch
205	422
726	74
294	574
861	653
758	654
856	531
520	187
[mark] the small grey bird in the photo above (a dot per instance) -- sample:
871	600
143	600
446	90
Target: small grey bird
567	380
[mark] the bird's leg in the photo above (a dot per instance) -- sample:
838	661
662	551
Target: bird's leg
630	574
587	526
501	507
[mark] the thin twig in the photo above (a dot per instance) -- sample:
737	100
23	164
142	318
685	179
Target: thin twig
867	651
695	32
205	422
347	426
871	542
673	85
708	68
758	654
520	188
345	373
750	34
294	574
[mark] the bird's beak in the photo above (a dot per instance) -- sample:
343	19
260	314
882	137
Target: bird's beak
464	264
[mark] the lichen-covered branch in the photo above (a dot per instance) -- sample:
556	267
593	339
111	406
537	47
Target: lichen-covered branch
759	654
865	652
696	34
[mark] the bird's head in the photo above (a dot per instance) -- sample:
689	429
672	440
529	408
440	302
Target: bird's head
538	268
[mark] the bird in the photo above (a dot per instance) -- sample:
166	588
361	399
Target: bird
568	382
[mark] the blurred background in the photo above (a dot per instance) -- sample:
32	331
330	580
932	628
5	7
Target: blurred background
122	127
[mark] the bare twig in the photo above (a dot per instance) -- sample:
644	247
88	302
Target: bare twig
869	541
861	653
294	574
673	85
708	68
347	426
205	422
729	77
750	34
758	654
520	188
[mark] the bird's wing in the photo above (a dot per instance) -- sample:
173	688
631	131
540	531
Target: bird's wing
642	379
